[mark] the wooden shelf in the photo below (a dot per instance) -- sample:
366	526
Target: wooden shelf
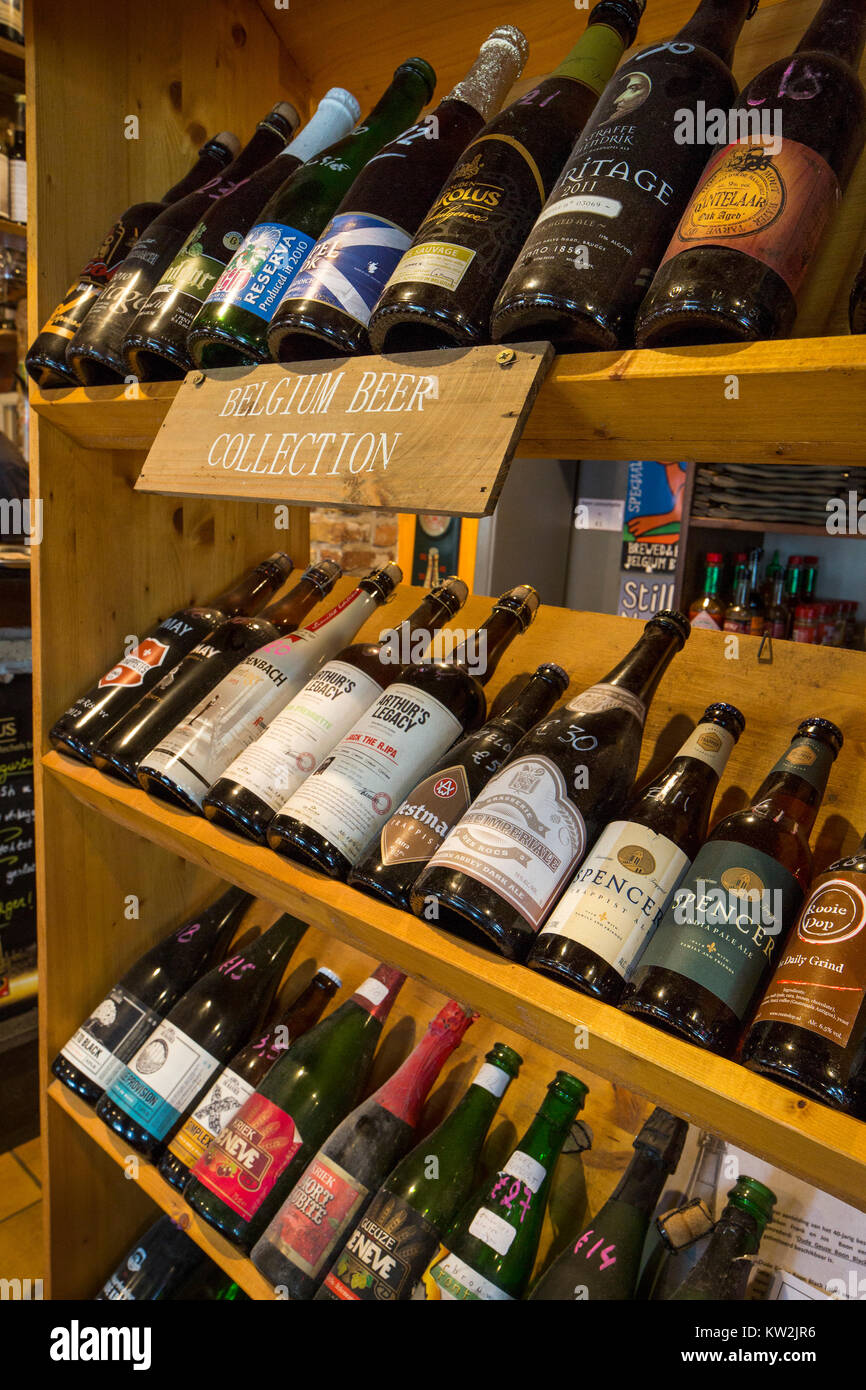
815	1143
206	1238
9	228
12	61
709	523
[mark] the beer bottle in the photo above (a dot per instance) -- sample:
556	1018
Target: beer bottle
709	959
490	1251
810	1026
96	714
409	1215
420	823
618	896
444	289
334	816
245	1173
99	1050
708	609
95	351
588	260
231	326
737	615
506	862
156	1267
171	1071
171	699
742	250
246	700
258	784
857	302
605	1260
237	1082
666	1267
333	1191
328	304
46	359
723	1270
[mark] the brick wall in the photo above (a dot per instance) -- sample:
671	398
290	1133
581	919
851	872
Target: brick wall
357	540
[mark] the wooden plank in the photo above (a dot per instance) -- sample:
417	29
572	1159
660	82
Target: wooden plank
368	431
788	528
107	417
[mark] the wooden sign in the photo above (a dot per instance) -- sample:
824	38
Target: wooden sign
416	432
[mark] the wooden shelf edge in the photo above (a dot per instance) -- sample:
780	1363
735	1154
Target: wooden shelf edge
211	1242
670	403
811	1141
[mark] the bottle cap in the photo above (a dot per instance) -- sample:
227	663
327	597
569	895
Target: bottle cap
630	10
453	592
794	560
549	671
504	1057
330	975
811	559
714	557
383	581
282	561
324	575
522	600
823	729
341	97
570	1088
285	111
664	1135
674	622
510	34
721	713
228	140
422	69
752	1196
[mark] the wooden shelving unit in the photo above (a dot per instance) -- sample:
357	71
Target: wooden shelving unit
111	559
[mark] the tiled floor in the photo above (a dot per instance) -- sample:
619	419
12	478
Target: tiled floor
21	1212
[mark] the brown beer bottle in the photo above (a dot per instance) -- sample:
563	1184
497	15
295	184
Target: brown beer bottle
506	862
429	811
710	957
335	815
810	1027
745	242
327	308
618	896
600	237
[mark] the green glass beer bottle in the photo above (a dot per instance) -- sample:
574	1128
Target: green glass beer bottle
231	326
391	1246
604	1262
490	1252
723	1270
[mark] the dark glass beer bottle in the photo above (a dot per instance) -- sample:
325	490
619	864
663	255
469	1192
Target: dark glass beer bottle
46	360
99	1050
96	714
711	955
387	1252
743	248
328	304
246	1172
171	699
810	1026
333	1191
246	700
506	862
171	1071
723	1270
857	303
231	326
335	815
156	1267
238	1080
258	784
446	284
618	896
605	1260
490	1251
588	260
429	811
95	352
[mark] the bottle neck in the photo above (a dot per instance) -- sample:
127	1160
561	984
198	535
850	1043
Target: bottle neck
642	668
396	109
404	1093
713	579
212	157
741	591
471	1118
641	1184
432	613
716	25
573	65
547	1133
792	793
839	28
531	705
377	993
248	596
793	583
736	1234
491	641
487	82
269	138
776	590
288	612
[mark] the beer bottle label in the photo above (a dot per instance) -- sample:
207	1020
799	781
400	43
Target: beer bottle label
597	698
705	619
120	302
420	824
190	279
72	309
321	1205
619	893
210	1117
115	1031
386	1255
373	767
258	275
148	656
723	928
522	837
449	1277
772	205
350	264
303	733
163	1079
243	1163
709	743
820	981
